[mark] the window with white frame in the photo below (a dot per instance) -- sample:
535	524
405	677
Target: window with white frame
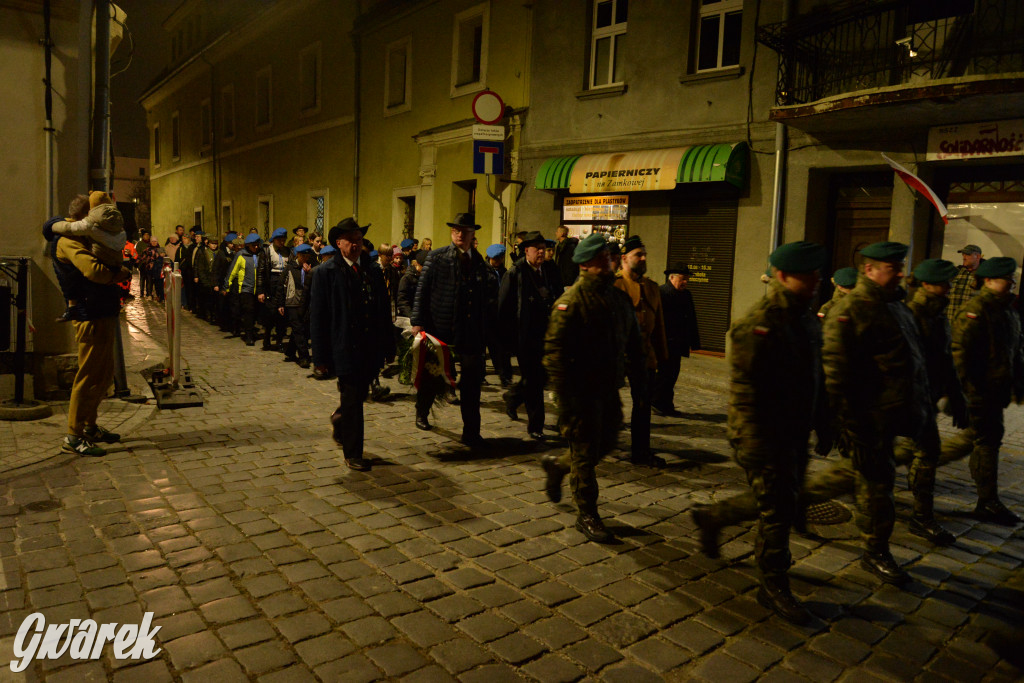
608	42
469	50
225	216
175	137
156	144
227	112
265	214
397	76
263	99
719	34
205	125
317	209
309	79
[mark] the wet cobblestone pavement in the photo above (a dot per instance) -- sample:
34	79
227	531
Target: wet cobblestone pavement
262	557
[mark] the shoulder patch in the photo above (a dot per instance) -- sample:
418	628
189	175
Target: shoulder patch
562	307
761	330
820	314
843	318
972	316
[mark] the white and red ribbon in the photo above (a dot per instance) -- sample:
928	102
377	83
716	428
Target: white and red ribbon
421	348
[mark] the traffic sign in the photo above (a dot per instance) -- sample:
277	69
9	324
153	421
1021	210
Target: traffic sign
482	132
488	107
488	157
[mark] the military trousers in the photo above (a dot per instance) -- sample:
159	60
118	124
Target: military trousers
95	340
873	461
921	456
981	440
591	427
529	390
470	378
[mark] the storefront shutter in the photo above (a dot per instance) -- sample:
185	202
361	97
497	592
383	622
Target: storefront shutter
702	234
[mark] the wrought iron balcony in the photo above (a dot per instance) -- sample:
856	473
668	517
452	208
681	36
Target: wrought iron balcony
871	44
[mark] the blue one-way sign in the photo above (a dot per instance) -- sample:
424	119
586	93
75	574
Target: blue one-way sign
489	156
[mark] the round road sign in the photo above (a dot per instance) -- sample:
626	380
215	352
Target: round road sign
488	107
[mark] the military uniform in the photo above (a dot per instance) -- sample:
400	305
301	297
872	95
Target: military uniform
989	360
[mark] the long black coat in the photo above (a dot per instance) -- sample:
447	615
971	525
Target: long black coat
350	319
524	306
451	303
681	332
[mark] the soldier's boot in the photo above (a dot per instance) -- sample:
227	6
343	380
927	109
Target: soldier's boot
708	528
555	474
591	526
930	530
774	594
993	510
923	523
881	563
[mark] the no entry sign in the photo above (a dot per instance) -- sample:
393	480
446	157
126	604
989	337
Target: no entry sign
488	107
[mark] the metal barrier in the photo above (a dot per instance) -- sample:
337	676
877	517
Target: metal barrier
173	387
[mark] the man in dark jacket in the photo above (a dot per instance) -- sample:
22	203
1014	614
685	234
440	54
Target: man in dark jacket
450	305
407	285
351	330
500	357
681	336
565	247
269	271
291	300
221	263
528	291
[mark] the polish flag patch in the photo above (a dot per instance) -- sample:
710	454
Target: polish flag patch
843	318
761	330
821	315
562	307
972	316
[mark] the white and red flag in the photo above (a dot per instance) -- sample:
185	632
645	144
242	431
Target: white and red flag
916	183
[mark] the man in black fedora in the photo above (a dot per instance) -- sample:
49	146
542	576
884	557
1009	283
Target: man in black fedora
351	331
451	299
681	336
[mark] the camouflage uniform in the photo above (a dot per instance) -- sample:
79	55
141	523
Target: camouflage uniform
878	388
774	365
837	294
592	341
989	360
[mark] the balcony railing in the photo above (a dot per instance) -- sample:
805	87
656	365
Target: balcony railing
870	44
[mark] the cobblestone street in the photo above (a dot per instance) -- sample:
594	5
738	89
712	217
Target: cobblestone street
263	557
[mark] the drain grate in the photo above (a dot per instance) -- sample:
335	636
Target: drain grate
829	512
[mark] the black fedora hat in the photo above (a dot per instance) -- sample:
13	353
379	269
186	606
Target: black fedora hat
533	238
465	220
678	268
346	225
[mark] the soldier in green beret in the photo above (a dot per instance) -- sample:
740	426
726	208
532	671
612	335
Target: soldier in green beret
775	374
877	386
592	342
843	280
989	360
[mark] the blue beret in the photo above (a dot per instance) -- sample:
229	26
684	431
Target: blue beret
495	250
589	247
998	266
327	250
935	270
374	254
252	237
230	236
406	243
798	257
885	251
845	277
303	248
279	232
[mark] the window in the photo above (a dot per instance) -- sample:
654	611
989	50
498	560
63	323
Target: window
317	209
607	42
309	79
469	50
718	40
263	99
175	137
156	145
225	216
397	78
197	217
205	125
265	214
142	171
227	112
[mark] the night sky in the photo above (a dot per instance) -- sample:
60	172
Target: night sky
151	52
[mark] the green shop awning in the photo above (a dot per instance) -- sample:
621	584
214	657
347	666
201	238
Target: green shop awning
650	169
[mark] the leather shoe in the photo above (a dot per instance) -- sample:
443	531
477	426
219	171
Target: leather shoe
304	363
650	460
537	436
512	413
930	530
994	511
881	564
593	528
422	423
555	474
475	443
708	529
782	602
358	464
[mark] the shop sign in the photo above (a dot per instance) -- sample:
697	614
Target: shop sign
654	169
604	208
976	140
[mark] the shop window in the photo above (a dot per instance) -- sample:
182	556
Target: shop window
227	112
463	197
175	137
719	33
263	99
205	125
469	50
309	79
608	42
156	145
397	80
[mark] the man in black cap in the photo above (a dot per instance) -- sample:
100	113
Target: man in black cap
351	331
528	291
962	288
681	336
450	304
188	284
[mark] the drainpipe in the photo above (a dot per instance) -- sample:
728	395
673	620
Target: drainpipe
214	171
99	163
357	47
779	188
48	129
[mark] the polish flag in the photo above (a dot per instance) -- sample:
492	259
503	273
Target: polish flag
916	183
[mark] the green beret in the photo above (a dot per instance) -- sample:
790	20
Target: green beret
845	277
885	251
997	266
934	271
589	247
632	242
798	257
614	249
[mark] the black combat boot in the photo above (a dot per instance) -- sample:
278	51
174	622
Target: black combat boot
591	526
993	510
708	528
774	594
555	474
930	530
881	564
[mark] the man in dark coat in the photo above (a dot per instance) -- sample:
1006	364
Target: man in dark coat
450	305
681	336
351	331
528	291
500	356
269	272
407	285
565	247
221	263
292	301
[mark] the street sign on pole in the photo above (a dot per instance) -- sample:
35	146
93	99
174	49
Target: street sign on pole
488	107
488	157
